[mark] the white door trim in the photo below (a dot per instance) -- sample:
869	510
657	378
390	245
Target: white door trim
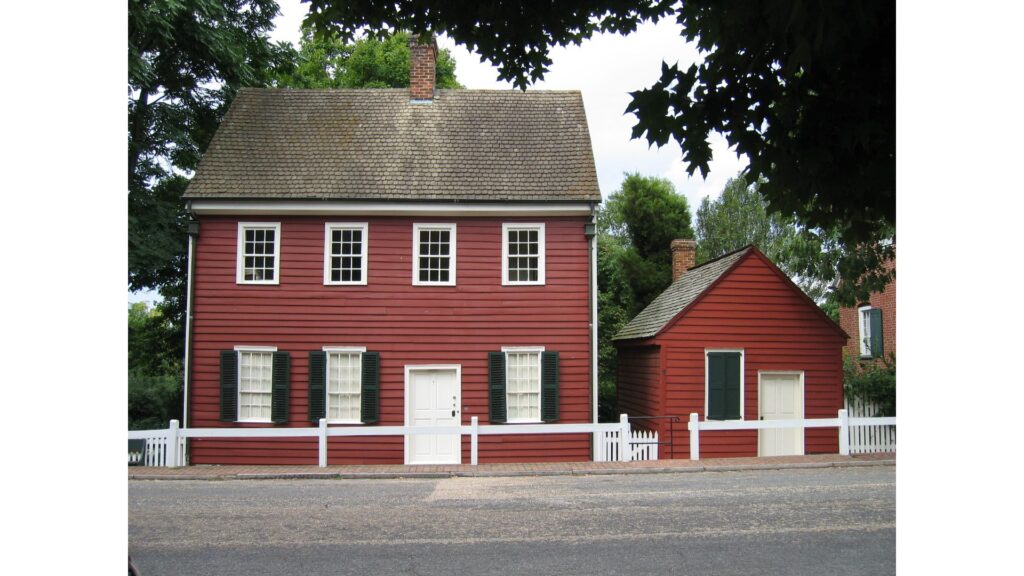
760	399
409	369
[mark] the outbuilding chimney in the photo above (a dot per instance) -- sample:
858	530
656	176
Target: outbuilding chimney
422	68
684	257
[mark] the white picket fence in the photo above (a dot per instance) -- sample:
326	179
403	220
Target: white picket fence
843	421
643	445
867	439
169	445
156	448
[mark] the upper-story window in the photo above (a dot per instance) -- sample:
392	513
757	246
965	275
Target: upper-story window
259	247
522	254
433	262
345	250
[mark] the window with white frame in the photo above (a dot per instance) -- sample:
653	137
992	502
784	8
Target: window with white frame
522	251
345	249
522	384
723	384
344	385
255	380
433	255
259	245
870	329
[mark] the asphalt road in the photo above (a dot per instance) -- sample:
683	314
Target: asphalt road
815	522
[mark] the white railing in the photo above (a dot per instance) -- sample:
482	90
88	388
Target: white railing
867	439
157	447
170	442
843	422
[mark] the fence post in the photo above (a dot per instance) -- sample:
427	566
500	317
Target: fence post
323	443
694	428
474	424
625	454
171	452
844	433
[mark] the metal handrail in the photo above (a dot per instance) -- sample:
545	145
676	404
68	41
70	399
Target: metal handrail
671	436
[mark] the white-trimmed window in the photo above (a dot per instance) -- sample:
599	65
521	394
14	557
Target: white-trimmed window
433	259
344	384
345	250
522	384
259	247
870	328
522	254
255	380
723	384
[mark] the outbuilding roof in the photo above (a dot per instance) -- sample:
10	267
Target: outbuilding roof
377	144
680	294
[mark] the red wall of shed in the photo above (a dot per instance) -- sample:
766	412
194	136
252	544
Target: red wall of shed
408	325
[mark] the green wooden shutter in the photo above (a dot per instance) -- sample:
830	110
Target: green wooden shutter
370	409
716	387
733	397
724	393
876	332
280	374
549	386
317	386
228	386
496	387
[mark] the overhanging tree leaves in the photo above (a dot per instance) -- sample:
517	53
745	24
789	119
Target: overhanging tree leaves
806	90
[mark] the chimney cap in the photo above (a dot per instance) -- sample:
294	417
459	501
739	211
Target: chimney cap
683	244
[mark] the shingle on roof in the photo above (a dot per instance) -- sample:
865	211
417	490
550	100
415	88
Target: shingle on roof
374	144
679	295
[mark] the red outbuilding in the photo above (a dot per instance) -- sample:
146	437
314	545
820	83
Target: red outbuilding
393	257
732	339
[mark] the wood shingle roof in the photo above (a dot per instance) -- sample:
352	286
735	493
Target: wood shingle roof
375	144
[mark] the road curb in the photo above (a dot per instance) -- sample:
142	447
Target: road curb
511	473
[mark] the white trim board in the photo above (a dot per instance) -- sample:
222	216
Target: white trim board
341	208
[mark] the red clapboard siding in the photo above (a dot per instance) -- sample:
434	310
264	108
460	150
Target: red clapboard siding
408	325
753	309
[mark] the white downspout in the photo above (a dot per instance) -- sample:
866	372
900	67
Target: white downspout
593	323
188	325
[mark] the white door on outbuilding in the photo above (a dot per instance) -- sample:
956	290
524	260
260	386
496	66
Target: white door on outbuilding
781	397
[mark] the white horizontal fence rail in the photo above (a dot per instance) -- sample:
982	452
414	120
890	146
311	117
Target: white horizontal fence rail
874	436
175	437
843	422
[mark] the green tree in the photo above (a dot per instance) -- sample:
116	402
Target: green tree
740	216
328	62
154	377
186	60
634	263
806	90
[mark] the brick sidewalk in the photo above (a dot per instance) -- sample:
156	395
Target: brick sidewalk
212	472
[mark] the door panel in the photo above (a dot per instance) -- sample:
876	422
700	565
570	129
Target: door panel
781	398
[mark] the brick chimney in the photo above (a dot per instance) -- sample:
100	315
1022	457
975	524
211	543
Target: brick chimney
684	257
422	65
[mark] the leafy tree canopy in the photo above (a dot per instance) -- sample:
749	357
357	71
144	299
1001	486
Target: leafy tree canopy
328	62
806	90
636	227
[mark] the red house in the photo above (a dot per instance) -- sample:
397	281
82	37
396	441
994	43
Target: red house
733	339
393	257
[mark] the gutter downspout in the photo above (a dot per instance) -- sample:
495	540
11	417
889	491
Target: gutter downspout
193	234
590	230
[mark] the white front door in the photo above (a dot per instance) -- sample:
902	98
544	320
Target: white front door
433	398
781	398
